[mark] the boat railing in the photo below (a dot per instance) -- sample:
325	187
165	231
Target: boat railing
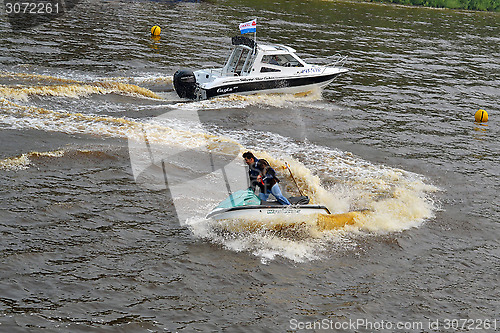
338	60
226	73
214	70
219	72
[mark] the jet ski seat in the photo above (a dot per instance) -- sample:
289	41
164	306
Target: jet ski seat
302	200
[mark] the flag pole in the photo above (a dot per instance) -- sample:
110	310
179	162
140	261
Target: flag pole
255	37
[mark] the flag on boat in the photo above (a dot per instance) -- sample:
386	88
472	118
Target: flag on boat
250	26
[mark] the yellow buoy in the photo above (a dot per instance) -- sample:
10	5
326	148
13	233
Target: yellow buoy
155	31
481	116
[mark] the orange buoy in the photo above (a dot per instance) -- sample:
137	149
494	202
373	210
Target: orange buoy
481	116
155	31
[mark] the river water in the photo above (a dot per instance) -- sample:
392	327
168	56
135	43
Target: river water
93	239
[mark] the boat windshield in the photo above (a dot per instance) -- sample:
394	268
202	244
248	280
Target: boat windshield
240	61
284	60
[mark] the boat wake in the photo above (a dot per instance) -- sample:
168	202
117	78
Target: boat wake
298	242
386	199
244	101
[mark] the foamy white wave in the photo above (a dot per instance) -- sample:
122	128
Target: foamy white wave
268	245
244	101
23	161
73	77
76	90
342	181
143	79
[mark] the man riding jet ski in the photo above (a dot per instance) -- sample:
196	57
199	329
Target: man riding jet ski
246	204
262	175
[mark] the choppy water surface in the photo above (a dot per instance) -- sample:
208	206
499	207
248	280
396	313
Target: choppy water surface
88	245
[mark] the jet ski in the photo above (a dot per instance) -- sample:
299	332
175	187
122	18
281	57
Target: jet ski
257	68
244	204
244	211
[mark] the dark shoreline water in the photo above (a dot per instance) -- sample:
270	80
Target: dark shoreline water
85	247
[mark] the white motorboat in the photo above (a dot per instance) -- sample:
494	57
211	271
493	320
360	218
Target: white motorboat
257	68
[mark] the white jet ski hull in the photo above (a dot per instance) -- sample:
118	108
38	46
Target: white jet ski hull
262	212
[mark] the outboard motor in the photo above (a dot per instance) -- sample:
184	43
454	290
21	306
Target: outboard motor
185	83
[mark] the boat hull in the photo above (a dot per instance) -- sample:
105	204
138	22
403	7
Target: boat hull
247	86
275	219
265	212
